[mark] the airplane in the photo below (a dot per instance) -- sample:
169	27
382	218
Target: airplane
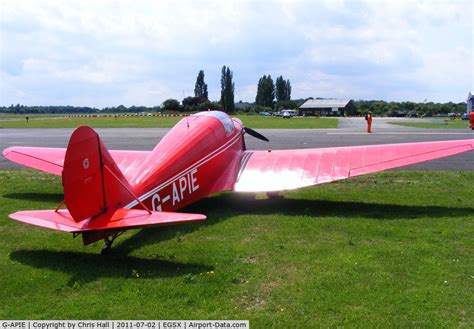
108	192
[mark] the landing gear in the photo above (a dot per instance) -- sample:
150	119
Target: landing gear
273	195
108	243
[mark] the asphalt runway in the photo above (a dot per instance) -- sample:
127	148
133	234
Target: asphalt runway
351	131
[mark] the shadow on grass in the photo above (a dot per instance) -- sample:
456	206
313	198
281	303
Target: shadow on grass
227	205
154	235
52	197
234	204
86	267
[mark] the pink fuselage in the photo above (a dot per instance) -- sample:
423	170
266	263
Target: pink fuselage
195	159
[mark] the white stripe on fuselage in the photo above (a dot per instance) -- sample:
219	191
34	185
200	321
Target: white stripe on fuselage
195	165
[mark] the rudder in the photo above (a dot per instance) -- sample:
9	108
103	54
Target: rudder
92	181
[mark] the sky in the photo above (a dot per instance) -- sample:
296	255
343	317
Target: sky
107	53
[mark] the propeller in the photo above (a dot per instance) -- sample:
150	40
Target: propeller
255	134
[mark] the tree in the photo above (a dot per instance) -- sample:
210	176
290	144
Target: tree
227	90
191	103
289	104
283	89
171	105
265	91
207	105
200	88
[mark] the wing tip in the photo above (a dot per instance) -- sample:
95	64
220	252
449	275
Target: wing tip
7	151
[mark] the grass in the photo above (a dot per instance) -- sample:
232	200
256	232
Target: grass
9	116
441	124
393	249
253	121
258	121
95	122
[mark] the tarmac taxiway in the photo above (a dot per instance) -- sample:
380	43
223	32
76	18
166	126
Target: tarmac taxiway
351	131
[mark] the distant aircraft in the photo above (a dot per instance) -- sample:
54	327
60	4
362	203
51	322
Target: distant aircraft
108	192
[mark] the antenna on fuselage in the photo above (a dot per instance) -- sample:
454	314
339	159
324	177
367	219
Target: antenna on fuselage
187	121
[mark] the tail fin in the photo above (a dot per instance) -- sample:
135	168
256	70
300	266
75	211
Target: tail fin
95	187
92	181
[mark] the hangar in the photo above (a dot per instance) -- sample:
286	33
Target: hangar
327	107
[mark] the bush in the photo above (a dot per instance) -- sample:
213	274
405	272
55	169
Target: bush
286	105
207	105
191	104
171	105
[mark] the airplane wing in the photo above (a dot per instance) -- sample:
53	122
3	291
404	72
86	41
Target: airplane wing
266	171
51	160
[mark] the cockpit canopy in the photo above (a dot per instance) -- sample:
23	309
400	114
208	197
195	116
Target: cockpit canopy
222	117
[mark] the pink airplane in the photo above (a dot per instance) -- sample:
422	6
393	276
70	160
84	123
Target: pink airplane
108	192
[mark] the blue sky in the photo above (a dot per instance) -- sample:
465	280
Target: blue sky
107	53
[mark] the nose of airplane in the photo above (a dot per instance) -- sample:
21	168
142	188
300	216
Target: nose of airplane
238	121
249	131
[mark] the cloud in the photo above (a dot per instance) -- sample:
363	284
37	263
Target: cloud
106	53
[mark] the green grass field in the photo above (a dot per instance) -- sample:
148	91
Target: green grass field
253	121
442	124
257	121
392	250
5	116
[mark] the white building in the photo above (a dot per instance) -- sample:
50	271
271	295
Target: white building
327	107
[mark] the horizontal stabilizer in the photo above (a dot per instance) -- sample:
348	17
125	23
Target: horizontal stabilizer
51	160
120	219
46	159
59	221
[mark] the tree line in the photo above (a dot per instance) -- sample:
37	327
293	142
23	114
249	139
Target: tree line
376	107
24	109
383	108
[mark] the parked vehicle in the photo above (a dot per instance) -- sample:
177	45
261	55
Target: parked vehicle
288	113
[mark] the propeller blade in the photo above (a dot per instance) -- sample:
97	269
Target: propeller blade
255	134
